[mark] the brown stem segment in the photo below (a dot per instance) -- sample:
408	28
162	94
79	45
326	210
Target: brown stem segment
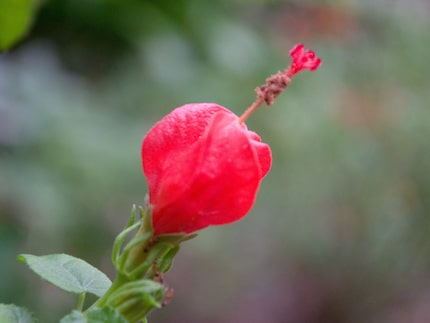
268	92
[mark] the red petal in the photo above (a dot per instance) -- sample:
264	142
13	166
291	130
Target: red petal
203	176
263	152
171	136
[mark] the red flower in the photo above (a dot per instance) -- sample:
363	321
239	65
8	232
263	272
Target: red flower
203	168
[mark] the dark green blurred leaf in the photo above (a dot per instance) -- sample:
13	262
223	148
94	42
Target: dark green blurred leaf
68	273
16	17
14	314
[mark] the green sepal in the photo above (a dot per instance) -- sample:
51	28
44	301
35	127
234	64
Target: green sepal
68	273
146	216
135	242
156	253
132	216
121	257
164	263
176	238
119	240
10	313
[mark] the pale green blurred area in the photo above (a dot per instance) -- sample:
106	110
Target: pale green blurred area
340	231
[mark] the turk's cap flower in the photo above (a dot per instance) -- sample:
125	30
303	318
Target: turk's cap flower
203	167
202	164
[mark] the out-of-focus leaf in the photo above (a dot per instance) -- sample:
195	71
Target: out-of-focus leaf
16	17
14	314
68	273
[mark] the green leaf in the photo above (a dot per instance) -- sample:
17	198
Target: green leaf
68	273
95	315
15	314
16	17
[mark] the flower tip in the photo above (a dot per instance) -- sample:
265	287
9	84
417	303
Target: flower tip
317	63
303	60
297	50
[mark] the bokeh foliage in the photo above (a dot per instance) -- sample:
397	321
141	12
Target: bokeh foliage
16	17
340	230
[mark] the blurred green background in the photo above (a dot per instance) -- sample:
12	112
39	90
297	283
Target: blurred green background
341	228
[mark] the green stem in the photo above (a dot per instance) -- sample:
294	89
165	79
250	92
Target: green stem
117	283
81	301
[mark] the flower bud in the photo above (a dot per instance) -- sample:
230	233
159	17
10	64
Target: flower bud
203	167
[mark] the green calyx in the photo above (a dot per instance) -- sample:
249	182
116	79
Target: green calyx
145	254
138	287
